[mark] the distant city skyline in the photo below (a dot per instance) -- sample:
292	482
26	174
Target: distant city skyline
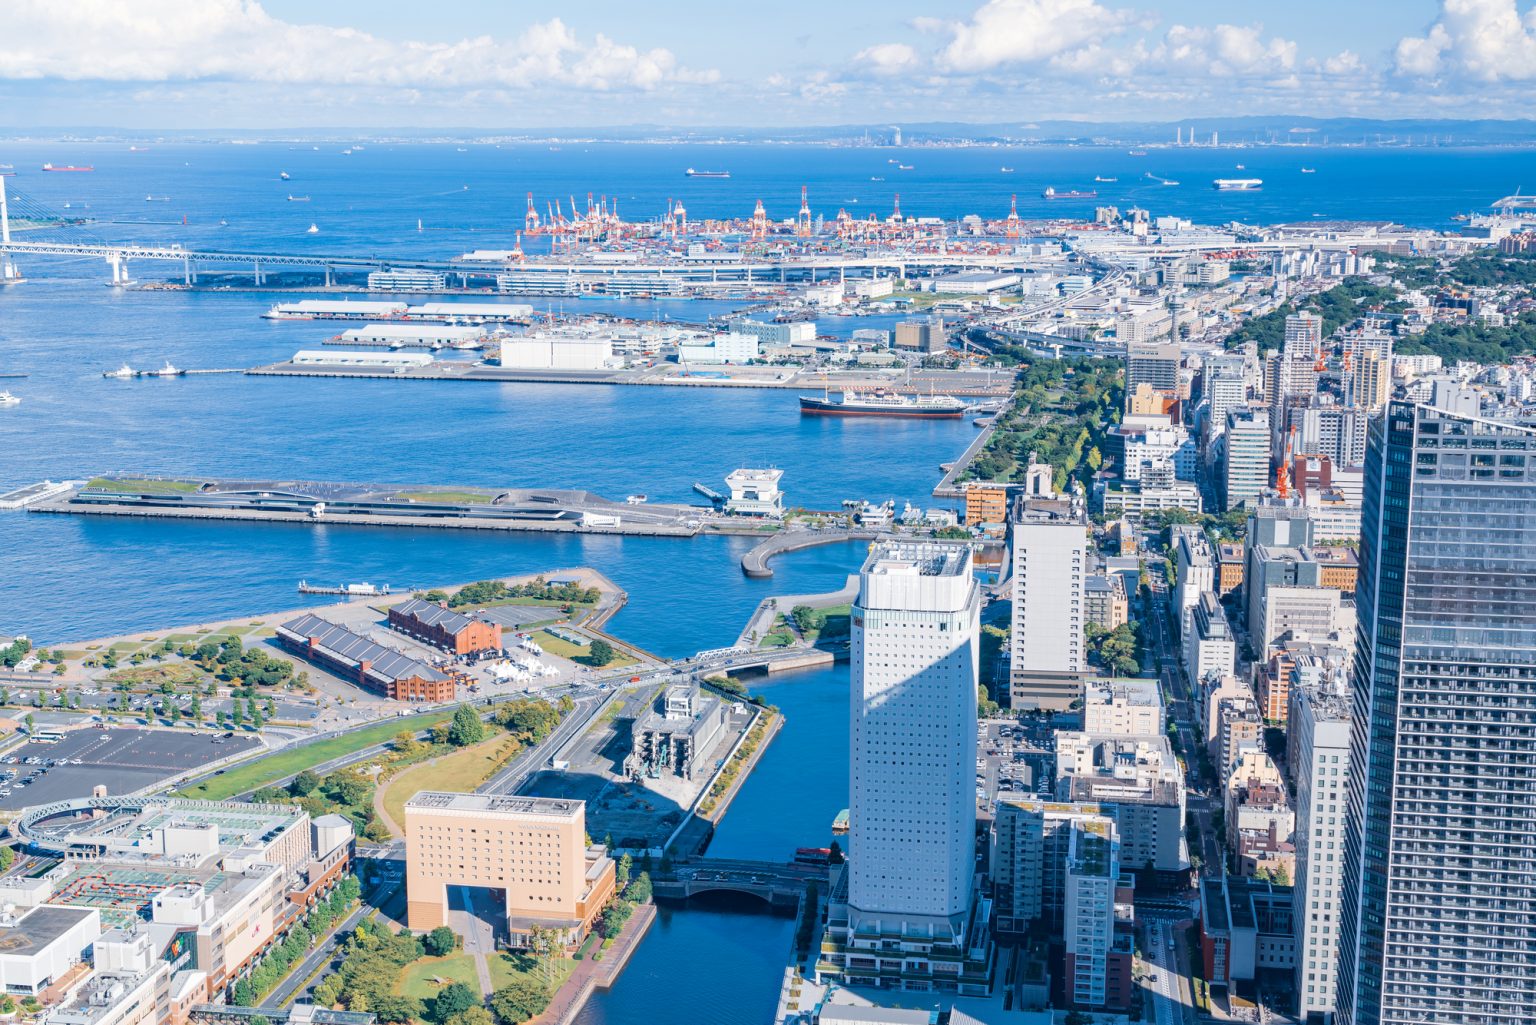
235	64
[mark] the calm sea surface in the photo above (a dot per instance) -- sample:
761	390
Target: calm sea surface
65	578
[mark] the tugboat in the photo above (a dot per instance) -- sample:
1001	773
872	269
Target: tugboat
122	373
7	399
166	371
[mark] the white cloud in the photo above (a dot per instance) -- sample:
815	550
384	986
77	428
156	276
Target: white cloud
1345	62
1484	40
887	58
1027	31
1225	51
191	40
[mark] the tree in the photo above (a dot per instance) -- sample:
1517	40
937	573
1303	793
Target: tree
474	1016
986	708
807	618
440	941
625	866
601	653
466	728
454	998
836	857
521	999
7	858
31	722
614	917
639	889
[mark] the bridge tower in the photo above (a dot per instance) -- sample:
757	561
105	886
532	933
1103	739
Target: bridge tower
8	269
531	218
803	218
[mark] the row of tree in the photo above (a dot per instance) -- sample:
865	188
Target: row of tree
484	592
279	961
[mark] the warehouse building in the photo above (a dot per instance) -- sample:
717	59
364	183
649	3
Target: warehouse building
441	627
373	667
394	361
553	352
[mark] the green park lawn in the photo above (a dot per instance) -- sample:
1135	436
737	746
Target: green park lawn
285	763
506	967
419	978
578	652
461	772
460	497
134	484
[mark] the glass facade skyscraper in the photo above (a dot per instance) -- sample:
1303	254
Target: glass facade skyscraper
1438	911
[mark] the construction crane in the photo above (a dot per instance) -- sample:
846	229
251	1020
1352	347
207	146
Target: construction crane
759	221
803	218
531	218
1012	224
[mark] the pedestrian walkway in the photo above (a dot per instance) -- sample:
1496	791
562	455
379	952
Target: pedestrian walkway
592	975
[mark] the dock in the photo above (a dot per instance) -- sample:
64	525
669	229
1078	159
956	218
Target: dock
946	487
755	563
32	494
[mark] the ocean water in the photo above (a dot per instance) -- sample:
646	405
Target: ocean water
64	578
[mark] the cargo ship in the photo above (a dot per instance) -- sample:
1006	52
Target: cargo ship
691	173
1237	184
1051	192
70	167
883	403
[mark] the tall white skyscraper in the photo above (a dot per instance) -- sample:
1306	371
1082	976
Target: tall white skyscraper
1319	735
905	911
912	811
1303	336
1246	470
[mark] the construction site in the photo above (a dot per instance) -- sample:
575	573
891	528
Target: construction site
641	772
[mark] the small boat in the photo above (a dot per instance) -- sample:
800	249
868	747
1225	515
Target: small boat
1005	170
282	175
7	399
1136	152
1051	192
346	153
67	167
297	199
313	229
1242	167
876	179
157	199
463	150
636	500
122	373
1309	170
1169	181
1101	178
166	371
691	173
903	167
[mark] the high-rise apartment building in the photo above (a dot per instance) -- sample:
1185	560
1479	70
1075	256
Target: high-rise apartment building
1303	336
1438	873
1319	740
1050	565
909	916
1097	969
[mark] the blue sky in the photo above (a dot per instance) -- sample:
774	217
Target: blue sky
288	63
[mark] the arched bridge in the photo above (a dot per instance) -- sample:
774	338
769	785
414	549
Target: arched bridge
781	884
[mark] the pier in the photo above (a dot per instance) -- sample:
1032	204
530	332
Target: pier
755	562
946	487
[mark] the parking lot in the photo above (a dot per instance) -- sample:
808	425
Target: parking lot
1014	758
122	760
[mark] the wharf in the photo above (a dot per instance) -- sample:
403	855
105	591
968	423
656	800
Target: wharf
32	494
946	487
962	385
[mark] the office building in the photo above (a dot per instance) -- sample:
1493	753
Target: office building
987	503
1319	737
1334	432
755	492
1229	567
1050	558
1441	817
1104	601
1246	927
1194	571
1123	708
1302	612
532	851
906	913
1224	387
1210	645
1245	461
1151	439
1154	363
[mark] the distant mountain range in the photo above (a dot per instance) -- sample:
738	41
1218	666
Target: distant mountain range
1246	129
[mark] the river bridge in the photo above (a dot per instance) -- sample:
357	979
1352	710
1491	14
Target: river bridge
781	884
